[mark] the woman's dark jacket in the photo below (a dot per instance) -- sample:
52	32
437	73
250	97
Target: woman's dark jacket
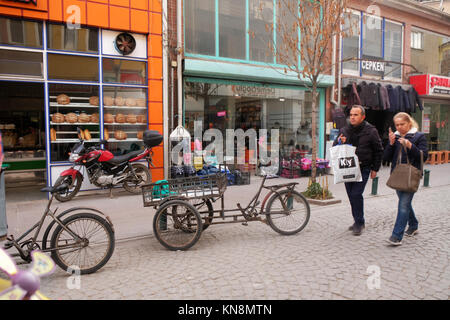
419	142
365	138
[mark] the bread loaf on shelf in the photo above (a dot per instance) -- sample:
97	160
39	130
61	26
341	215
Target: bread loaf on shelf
87	135
141	118
106	134
140	102
120	135
84	118
95	118
94	101
120	118
140	135
108	101
119	101
71	117
63	99
130	102
52	134
109	118
81	135
131	118
57	117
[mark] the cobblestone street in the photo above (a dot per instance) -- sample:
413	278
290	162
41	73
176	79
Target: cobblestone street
324	261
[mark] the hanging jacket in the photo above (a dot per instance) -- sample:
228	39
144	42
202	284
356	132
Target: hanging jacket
414	99
352	95
393	98
402	97
369	95
384	98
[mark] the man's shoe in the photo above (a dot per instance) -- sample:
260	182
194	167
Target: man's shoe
411	232
351	227
358	229
394	241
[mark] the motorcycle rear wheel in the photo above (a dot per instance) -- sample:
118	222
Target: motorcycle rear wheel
131	184
74	187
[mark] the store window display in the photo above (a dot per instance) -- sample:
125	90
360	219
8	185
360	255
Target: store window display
239	106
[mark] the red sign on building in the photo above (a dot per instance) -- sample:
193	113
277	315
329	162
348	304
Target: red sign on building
431	85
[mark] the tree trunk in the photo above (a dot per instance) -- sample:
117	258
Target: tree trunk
313	131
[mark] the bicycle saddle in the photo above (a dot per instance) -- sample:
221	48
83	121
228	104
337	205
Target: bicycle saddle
61	187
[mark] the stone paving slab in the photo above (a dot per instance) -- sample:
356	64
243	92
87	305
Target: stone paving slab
324	261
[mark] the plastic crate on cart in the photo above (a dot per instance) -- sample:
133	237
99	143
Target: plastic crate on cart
207	186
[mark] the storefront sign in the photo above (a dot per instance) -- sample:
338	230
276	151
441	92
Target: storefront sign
25	1
377	66
431	85
250	91
38	5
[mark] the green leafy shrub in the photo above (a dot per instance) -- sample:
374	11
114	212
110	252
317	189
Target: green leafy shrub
315	191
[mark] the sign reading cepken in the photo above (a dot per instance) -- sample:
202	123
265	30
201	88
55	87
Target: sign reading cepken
377	66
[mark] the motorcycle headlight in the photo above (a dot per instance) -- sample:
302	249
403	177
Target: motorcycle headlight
74	157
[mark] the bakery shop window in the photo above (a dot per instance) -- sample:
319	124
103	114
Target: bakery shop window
71	107
21	63
22	123
124	71
124	118
68	67
20	33
60	37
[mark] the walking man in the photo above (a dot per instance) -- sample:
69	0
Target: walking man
364	136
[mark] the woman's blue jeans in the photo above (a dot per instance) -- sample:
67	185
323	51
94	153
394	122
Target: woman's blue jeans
405	214
3	224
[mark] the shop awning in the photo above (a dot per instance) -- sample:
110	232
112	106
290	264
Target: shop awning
246	72
431	85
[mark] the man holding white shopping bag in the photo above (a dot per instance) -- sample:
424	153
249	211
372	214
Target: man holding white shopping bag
369	152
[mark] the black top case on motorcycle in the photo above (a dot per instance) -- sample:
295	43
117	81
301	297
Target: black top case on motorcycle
152	138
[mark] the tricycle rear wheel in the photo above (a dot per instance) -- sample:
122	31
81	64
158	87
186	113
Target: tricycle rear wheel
292	219
177	225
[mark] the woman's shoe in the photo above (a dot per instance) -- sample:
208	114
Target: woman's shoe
394	241
411	232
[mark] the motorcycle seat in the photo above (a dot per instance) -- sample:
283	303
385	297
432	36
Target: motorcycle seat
125	157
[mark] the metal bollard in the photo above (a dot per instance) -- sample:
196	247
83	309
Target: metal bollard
374	186
426	178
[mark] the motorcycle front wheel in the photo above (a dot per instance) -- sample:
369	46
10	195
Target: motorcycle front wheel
74	187
143	176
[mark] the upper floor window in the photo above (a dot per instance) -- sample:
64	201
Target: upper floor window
20	33
375	39
416	40
200	33
60	37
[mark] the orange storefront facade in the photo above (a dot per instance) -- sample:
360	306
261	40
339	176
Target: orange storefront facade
104	56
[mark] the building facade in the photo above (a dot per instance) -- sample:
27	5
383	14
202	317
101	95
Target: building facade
400	45
232	80
90	64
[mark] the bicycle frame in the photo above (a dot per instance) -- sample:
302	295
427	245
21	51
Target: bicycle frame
249	212
25	254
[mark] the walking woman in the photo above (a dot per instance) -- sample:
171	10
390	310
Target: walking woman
407	135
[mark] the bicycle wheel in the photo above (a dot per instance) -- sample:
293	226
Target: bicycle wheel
292	220
74	187
92	252
206	213
177	225
144	176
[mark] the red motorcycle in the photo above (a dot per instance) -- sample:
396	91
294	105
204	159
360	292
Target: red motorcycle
105	170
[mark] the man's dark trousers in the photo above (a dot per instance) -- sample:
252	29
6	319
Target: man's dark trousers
355	192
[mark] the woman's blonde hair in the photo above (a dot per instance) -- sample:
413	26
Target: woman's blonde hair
406	117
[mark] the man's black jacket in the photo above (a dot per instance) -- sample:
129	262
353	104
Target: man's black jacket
367	142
